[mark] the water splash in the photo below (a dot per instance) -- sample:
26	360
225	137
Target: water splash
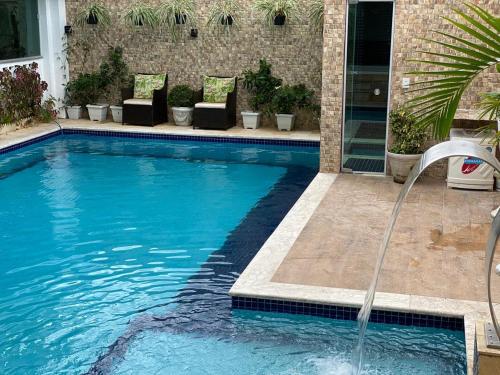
438	152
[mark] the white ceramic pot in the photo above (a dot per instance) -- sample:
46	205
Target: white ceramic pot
401	165
117	113
183	116
7	128
74	112
98	112
251	120
285	122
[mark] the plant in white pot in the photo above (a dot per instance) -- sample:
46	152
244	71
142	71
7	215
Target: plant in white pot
287	100
408	143
181	99
261	86
115	75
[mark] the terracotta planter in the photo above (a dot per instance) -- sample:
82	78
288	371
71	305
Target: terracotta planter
401	165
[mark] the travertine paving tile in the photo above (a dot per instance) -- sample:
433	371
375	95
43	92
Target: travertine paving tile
437	249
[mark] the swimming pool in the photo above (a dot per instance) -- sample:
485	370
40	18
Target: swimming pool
118	253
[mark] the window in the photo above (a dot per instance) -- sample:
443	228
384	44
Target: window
19	34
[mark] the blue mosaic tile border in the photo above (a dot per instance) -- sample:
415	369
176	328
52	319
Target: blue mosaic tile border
200	138
347	313
29	142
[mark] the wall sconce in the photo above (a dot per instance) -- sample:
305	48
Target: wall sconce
67	29
194	33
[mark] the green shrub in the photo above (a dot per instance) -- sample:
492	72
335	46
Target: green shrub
408	137
181	96
85	89
289	98
89	87
261	85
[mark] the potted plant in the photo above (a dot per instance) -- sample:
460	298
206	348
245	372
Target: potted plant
407	145
283	105
261	86
286	100
93	14
176	14
223	15
181	98
115	76
277	12
141	14
85	90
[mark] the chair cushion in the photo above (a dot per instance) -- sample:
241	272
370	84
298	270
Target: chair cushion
138	101
215	89
210	105
145	84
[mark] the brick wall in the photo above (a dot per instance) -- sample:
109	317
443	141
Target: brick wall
295	51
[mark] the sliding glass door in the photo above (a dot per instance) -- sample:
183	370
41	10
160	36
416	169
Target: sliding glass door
367	72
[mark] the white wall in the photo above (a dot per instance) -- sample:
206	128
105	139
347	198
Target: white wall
52	65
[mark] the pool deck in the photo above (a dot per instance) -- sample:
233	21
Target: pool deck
325	250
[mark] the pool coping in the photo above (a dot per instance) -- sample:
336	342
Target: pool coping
255	290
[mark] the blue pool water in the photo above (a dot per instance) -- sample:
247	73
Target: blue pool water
117	256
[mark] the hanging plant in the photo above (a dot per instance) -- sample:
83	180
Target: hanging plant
93	14
223	15
173	15
277	12
141	15
317	13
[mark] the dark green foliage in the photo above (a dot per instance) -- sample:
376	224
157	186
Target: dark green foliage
88	88
409	138
261	85
289	98
181	96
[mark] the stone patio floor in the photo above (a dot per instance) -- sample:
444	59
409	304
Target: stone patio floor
437	249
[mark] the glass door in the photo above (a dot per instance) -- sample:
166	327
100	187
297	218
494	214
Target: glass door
367	70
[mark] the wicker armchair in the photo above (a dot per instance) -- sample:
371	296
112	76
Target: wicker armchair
147	112
218	116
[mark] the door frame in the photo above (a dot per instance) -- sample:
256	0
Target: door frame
389	91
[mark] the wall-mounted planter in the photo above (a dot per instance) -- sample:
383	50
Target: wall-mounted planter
92	19
180	19
285	122
98	112
279	20
227	21
117	113
74	112
251	120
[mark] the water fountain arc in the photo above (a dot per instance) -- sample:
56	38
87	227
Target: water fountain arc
438	152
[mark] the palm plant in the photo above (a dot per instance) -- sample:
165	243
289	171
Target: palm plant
141	15
467	56
175	14
223	15
275	12
316	13
490	106
93	14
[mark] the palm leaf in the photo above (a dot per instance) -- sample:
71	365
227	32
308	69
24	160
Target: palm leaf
472	48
